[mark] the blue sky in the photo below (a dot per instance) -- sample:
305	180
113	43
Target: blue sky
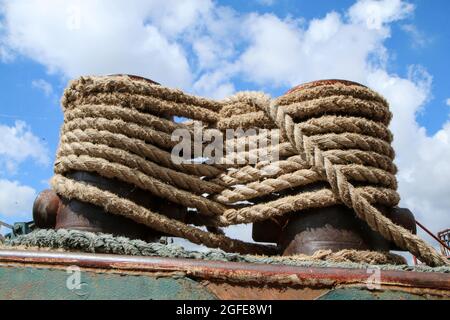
215	48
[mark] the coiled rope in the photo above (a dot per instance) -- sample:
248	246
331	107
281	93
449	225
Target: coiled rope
76	240
119	127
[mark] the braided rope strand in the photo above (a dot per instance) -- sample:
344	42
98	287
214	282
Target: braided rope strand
347	192
121	127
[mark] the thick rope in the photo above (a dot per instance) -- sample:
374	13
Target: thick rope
121	128
75	240
124	173
120	206
138	147
347	193
173	177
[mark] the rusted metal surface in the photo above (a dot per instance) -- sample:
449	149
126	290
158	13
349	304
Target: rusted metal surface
402	217
74	214
77	215
134	77
333	228
228	291
268	230
45	208
230	272
336	228
156	278
323	82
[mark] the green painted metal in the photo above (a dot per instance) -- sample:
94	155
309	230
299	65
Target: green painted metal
59	284
20	228
365	294
41	283
67	275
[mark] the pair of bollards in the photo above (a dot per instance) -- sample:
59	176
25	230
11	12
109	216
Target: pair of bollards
333	228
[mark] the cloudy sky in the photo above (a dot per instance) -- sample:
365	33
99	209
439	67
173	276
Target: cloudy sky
215	48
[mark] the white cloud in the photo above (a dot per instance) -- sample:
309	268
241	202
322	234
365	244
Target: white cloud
447	102
216	84
266	2
16	200
5	55
98	37
375	14
205	48
148	38
283	53
424	174
419	38
43	85
17	144
272	52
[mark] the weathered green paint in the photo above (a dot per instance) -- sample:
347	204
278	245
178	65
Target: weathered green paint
53	275
42	283
20	228
39	283
365	294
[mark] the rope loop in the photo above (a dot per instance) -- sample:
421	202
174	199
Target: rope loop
331	132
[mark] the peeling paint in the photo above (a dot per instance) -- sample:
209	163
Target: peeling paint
224	280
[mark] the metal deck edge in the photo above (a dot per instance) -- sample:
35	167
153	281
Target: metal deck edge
233	272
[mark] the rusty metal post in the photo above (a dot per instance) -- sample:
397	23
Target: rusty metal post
51	211
333	228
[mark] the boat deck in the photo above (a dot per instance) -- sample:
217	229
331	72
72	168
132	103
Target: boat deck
54	274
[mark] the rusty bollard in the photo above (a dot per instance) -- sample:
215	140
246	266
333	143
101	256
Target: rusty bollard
45	208
51	211
332	228
336	228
